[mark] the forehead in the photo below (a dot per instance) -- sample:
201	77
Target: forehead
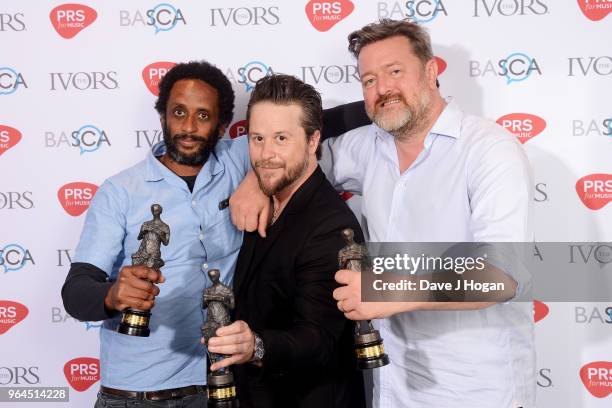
385	52
193	92
270	115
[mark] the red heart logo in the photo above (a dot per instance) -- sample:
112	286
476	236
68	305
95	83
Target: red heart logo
11	313
9	137
153	73
595	10
70	19
540	310
522	125
595	190
324	14
441	65
597	378
239	128
82	372
76	197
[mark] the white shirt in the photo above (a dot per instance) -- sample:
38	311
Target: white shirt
471	182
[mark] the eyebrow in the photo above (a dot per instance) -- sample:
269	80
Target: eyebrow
384	66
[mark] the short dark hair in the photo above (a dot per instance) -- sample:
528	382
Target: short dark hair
386	28
205	72
285	90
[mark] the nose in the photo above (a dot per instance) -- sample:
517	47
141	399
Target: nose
383	85
190	124
267	149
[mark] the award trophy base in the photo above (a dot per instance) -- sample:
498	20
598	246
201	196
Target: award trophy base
370	351
135	322
221	390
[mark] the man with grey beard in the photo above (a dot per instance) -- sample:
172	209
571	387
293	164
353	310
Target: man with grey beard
428	172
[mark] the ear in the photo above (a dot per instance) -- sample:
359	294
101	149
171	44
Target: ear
162	120
431	73
313	143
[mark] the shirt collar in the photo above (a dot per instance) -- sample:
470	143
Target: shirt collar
157	171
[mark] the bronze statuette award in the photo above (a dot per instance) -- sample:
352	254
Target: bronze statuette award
368	343
219	300
152	234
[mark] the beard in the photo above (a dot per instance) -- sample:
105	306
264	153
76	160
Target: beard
405	120
197	158
290	175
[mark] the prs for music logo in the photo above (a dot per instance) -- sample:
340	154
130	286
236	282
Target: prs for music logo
595	10
595	190
11	313
324	14
70	19
82	372
153	73
76	197
522	125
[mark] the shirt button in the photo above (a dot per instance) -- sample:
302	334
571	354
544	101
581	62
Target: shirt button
204	266
202	236
193	203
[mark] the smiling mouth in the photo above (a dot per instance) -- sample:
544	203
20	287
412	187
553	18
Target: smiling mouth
390	102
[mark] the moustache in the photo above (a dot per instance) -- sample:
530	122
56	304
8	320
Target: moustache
183	136
267	164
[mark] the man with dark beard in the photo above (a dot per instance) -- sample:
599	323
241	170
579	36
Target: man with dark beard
294	347
190	174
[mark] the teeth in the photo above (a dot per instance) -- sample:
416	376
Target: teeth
392	101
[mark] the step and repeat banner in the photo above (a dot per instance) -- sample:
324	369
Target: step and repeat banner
77	86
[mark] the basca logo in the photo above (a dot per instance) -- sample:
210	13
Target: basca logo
588	128
244	16
249	74
522	125
163	17
597	378
330	74
87	138
147	138
324	14
10	81
12	22
82	372
9	137
595	190
13	257
509	8
595	10
15	200
420	11
76	197
70	19
599	65
540	310
153	73
585	315
82	81
11	313
597	252
516	67
59	315
238	129
19	375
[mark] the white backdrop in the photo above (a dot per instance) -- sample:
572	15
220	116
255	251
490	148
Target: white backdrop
76	106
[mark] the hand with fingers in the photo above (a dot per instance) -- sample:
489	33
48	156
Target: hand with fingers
250	208
236	340
135	287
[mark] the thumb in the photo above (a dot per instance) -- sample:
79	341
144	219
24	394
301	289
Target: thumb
343	276
264	215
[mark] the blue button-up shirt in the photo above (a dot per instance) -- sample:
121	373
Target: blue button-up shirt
202	237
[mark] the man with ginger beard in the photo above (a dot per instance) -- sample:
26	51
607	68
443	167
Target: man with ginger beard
429	172
190	174
291	345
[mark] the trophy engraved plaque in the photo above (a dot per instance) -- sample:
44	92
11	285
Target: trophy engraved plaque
369	347
152	234
219	299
